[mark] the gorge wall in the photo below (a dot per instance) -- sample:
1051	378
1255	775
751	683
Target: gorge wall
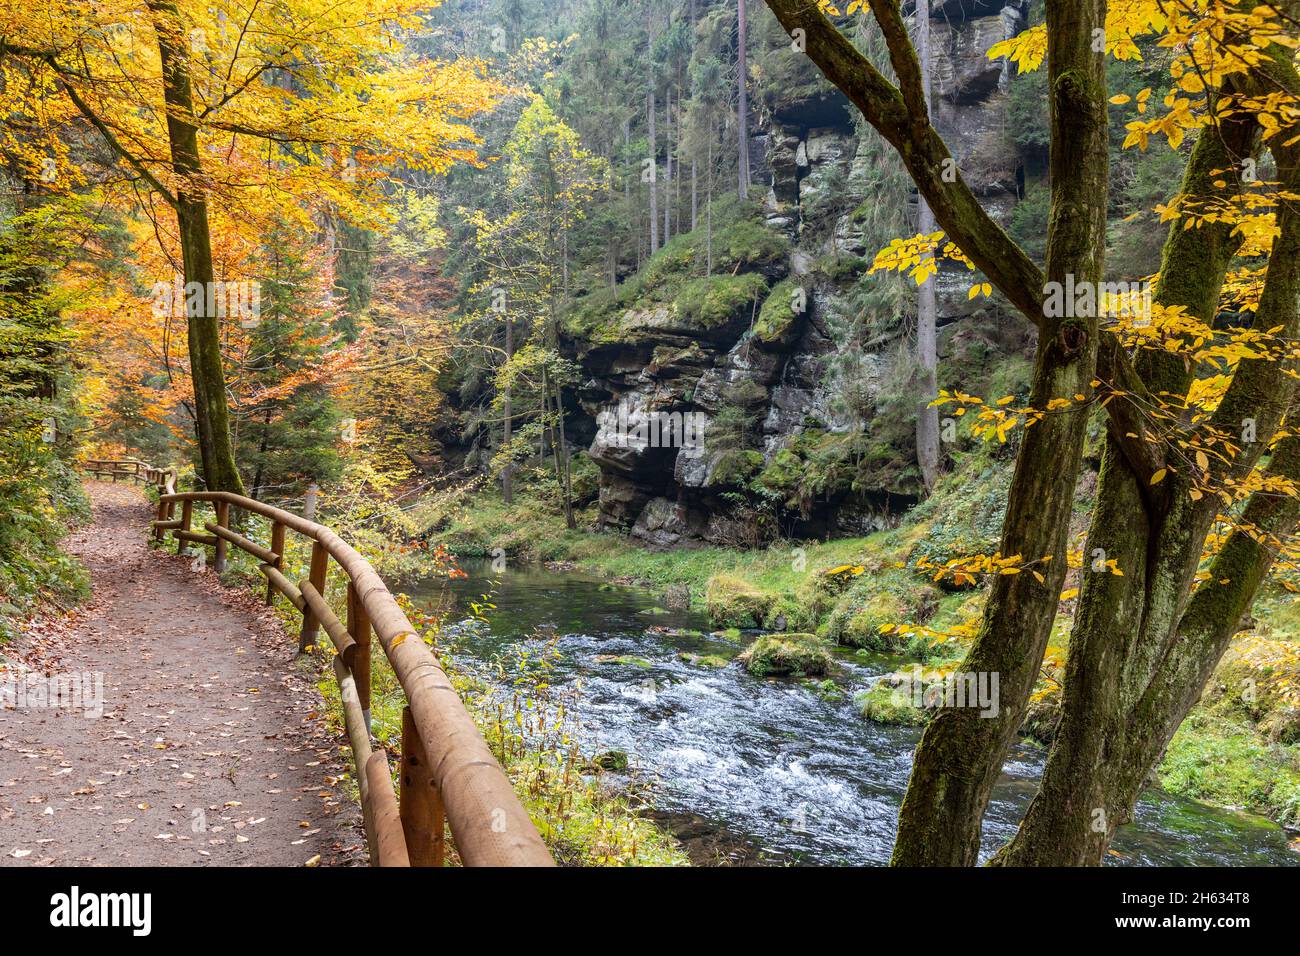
805	408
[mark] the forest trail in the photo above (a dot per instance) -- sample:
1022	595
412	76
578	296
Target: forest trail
210	749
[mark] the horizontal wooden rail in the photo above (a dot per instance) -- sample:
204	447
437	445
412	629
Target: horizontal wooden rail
448	771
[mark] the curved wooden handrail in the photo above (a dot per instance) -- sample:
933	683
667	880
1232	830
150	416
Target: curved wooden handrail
446	764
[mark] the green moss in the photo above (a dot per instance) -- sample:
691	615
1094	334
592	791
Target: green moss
735	468
777	316
783	472
734	602
858	622
704	660
827	690
678	276
748	243
883	704
614	761
876	599
816	464
715	300
787	655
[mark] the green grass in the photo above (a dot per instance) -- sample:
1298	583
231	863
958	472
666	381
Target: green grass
1223	760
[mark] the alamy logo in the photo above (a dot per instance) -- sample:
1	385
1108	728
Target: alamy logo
236	300
626	426
74	908
977	689
79	691
1089	300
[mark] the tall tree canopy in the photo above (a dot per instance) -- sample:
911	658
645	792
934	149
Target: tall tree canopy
292	112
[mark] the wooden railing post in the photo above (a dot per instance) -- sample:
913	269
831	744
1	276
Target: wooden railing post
310	625
277	545
223	521
420	803
158	532
187	516
359	628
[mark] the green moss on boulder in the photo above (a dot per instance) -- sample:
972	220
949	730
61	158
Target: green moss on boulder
733	602
777	318
735	468
883	704
716	300
787	655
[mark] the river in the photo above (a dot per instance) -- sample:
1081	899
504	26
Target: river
779	766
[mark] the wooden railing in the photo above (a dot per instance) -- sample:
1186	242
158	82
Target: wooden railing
448	774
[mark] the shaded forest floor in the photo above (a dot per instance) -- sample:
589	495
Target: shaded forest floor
208	747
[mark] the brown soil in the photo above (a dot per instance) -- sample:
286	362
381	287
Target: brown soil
210	749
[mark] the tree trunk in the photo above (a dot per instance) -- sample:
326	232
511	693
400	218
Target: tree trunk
927	416
506	489
654	173
566	485
695	201
668	164
742	107
708	211
1138	661
210	409
650	124
961	752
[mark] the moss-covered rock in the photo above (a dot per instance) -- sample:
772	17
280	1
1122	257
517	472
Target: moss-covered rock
713	301
735	468
703	660
885	704
614	761
858	622
787	655
816	465
778	318
875	599
733	602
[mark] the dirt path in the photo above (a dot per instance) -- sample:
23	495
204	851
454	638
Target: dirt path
208	750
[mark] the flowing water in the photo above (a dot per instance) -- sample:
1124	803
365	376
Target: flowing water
778	765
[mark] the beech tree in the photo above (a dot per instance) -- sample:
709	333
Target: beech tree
288	111
1197	496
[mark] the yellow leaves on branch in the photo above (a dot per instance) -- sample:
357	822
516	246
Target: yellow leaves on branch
995	420
965	570
962	631
1210	41
831	10
920	256
1125	20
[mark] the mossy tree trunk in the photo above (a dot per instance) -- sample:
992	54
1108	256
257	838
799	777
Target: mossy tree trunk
1144	645
961	753
211	414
